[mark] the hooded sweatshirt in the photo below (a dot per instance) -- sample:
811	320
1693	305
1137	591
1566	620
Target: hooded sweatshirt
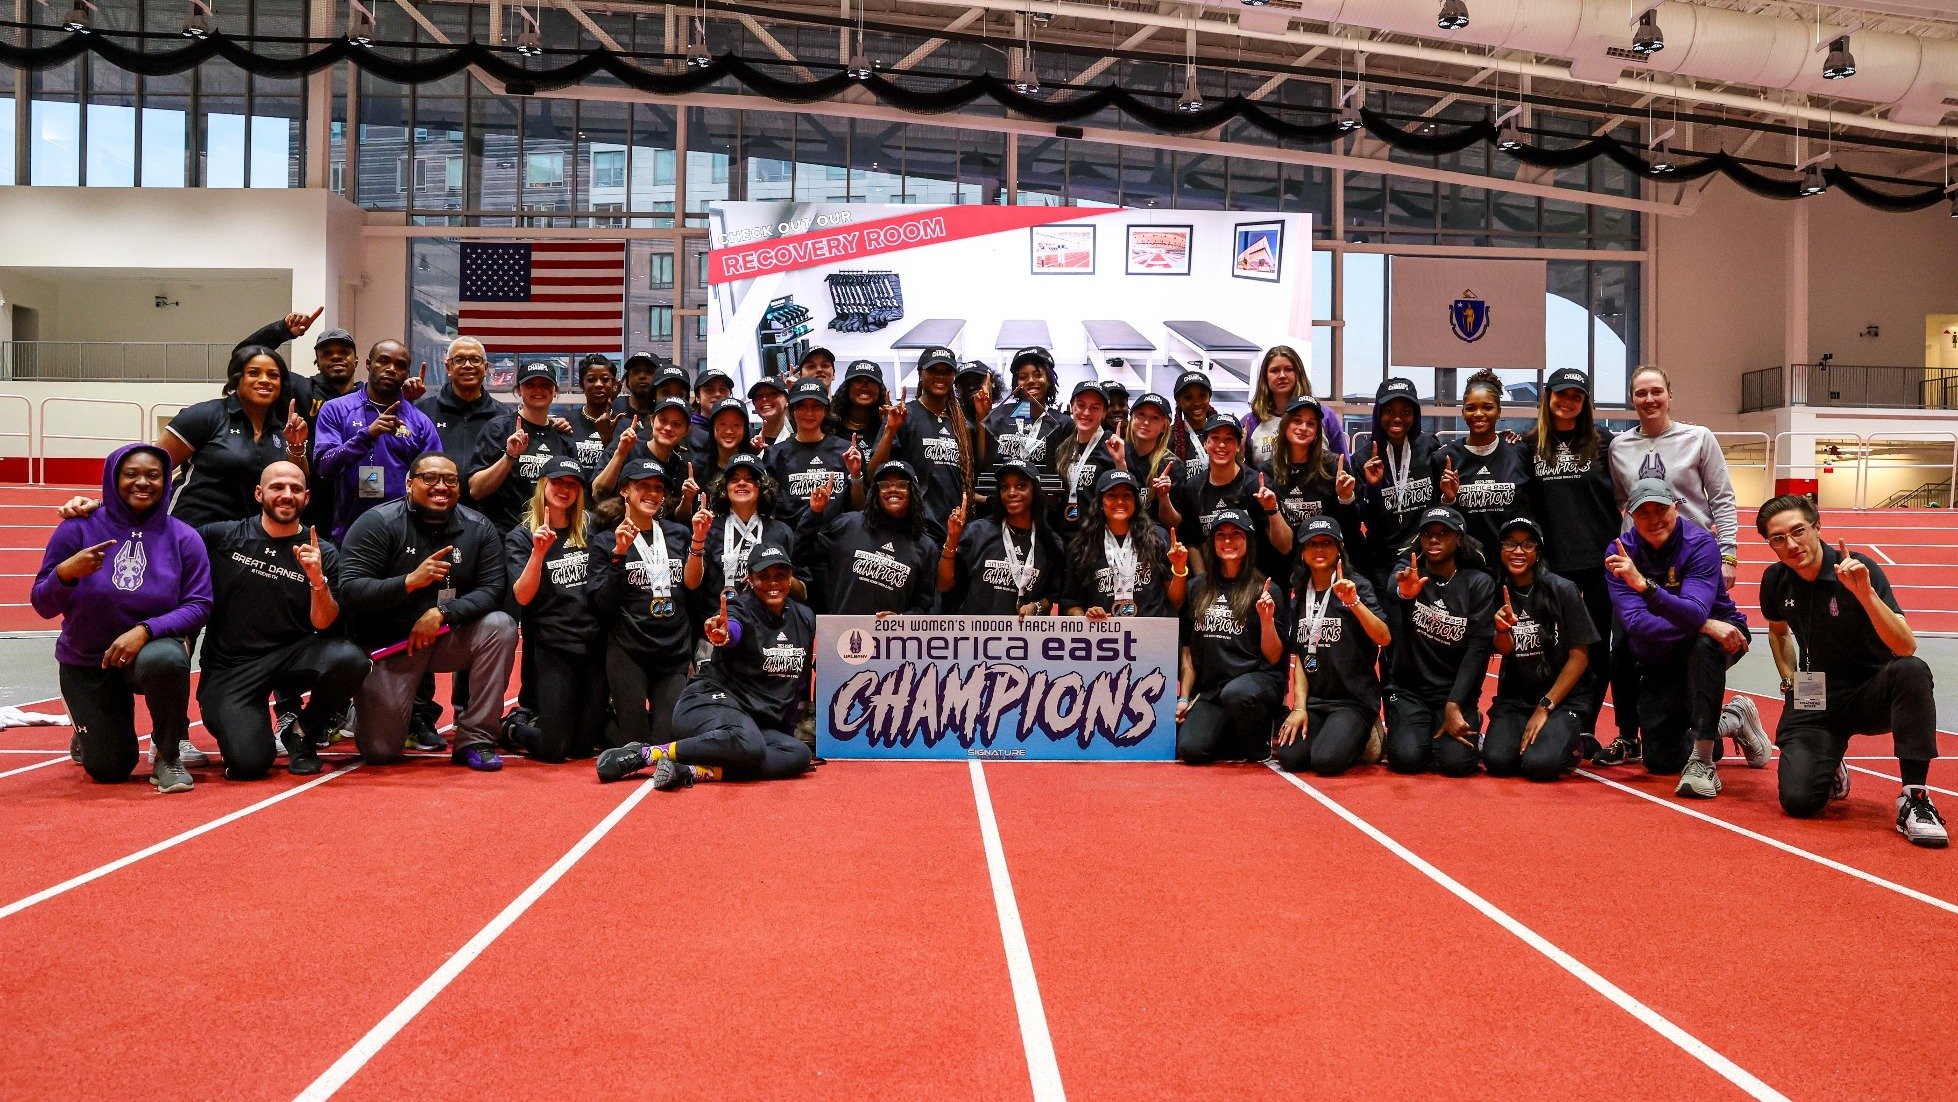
157	574
1393	518
1687	458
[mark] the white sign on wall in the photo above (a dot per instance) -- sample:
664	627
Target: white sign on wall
1467	313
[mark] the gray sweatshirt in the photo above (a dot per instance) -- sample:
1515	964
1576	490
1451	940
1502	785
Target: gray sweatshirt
1689	459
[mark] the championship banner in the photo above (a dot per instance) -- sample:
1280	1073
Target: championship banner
1467	313
956	687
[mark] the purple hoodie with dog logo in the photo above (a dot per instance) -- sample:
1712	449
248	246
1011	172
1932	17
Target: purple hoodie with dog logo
157	574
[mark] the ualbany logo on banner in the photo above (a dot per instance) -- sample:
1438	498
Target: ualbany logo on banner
995	687
1468	316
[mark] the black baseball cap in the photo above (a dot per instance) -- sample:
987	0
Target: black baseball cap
1527	525
751	463
1110	480
936	357
1089	386
973	367
669	403
808	390
1151	399
1322	526
1222	422
819	350
1237	518
710	375
864	369
767	555
641	361
1568	378
1189	379
767	382
336	336
1033	353
562	466
669	373
641	469
1016	466
1305	401
728	405
1114	390
529	371
1443	515
1391	389
896	467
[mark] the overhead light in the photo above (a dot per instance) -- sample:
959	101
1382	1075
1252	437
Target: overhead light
1192	100
1454	15
1840	63
197	22
1026	80
1812	181
1509	138
697	55
860	67
1662	161
1648	39
1349	118
1254	3
360	23
80	19
1041	18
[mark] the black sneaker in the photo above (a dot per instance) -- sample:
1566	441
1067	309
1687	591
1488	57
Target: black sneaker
283	730
518	731
422	737
75	747
1620	751
669	775
304	759
623	761
1917	820
480	756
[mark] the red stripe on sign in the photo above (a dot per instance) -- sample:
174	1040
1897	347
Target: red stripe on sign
550	331
577	281
560	314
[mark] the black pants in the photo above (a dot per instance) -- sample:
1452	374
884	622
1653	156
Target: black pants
1387	592
1599	670
428	710
712	731
1679	701
1335	737
1898	700
233	699
642	698
103	705
571	702
1625	683
1553	752
1414	747
1232	722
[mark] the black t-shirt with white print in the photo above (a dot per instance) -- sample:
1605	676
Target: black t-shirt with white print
1097	589
1446	635
986	585
927	443
1224	645
1551	621
1348	657
507	506
798	468
1392	513
1019	435
1090	471
1198	501
1574	502
765	673
870	570
625	598
563	615
259	591
1494	487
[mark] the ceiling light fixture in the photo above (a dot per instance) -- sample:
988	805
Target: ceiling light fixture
1840	64
1454	15
360	23
81	18
197	22
1647	38
1192	100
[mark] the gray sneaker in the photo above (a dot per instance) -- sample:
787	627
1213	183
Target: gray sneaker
188	755
170	776
1839	788
1700	779
1918	821
1747	732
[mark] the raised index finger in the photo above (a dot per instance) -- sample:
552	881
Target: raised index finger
314	316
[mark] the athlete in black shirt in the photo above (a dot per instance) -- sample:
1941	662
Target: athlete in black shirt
732	722
554	585
880	560
1307	479
811	457
1022	425
1447	614
930	434
1078	455
650	634
1008	562
222	445
594	423
1543	634
735	522
1339	630
662	438
1397	481
1223	482
1485	477
1232	673
513	449
1121	563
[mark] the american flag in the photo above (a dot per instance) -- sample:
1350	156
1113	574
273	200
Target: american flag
543	296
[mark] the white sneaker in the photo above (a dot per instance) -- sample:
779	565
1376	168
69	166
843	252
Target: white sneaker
1700	779
1746	731
280	731
188	755
1918	821
1839	788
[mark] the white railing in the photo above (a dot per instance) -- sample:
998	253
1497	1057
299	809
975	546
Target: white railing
113	361
1842	463
135	426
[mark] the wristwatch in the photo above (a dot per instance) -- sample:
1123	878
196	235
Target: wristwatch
1546	703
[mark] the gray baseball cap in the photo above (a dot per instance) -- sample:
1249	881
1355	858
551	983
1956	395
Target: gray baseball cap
1648	490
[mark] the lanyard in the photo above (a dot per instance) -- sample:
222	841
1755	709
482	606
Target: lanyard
1400	479
659	569
1081	464
1121	559
1021	570
737	539
1315	614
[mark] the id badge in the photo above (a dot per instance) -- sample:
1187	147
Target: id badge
373	482
444	595
1812	692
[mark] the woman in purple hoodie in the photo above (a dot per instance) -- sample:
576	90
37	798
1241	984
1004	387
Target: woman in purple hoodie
130	583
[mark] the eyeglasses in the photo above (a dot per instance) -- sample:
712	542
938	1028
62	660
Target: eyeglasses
461	359
430	479
1794	535
1519	545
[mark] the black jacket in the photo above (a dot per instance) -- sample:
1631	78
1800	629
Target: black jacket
387	543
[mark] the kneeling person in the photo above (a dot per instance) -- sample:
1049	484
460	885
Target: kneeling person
733	719
274	607
1852	669
1233	673
1543	633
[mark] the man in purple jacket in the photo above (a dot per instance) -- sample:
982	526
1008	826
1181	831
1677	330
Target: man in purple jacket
131	584
1665	587
364	441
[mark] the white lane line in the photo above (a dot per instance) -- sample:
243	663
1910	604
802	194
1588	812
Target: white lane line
1044	1070
1619	997
1848	870
1887	560
1899	780
355	1058
99	872
38	764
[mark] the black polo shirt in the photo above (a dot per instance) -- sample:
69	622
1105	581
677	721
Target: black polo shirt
1831	626
225	461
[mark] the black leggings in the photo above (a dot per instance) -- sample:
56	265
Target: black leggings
1599	671
1679	701
1232	722
1414	747
233	699
642	698
103	705
712	731
571	702
1898	699
1335	737
1552	752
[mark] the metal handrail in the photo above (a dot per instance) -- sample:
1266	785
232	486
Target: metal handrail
42	459
113	361
1863	474
1765	466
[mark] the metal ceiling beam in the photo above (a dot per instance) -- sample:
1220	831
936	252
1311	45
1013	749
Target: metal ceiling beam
932	45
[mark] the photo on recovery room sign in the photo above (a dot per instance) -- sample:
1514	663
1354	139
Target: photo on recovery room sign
991	687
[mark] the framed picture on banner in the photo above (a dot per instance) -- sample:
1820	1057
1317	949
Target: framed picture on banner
1159	250
1063	250
1258	251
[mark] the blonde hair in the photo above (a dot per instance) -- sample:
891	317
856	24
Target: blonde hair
574	518
1652	369
1261	404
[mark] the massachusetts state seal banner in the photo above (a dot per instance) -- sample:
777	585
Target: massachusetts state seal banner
1467	313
